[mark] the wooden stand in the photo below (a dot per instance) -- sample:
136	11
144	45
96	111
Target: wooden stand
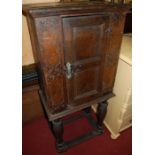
101	112
57	125
58	129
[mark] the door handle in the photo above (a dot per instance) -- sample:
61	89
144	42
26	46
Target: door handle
69	70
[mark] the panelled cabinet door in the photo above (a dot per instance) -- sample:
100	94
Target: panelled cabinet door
85	46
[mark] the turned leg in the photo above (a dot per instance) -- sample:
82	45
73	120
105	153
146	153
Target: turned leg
57	127
87	110
101	112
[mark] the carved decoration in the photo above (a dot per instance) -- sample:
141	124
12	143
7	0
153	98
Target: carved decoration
54	70
57	70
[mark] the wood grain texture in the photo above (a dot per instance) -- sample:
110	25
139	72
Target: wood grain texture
31	105
87	35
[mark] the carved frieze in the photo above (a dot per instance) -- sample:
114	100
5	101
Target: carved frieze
54	71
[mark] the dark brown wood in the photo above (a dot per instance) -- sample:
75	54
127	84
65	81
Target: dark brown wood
31	105
87	110
87	35
76	47
57	128
71	109
57	125
101	112
95	37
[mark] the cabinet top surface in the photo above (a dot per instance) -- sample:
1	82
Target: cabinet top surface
74	5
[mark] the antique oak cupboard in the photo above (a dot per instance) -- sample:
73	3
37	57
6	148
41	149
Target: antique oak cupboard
76	47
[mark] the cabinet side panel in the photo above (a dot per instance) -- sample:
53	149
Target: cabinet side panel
113	50
48	31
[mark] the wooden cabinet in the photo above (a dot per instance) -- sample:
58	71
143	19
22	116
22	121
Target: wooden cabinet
76	47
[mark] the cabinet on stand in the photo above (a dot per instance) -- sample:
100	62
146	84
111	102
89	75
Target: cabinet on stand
76	47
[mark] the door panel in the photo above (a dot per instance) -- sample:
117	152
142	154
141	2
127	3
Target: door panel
84	48
86	42
86	88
